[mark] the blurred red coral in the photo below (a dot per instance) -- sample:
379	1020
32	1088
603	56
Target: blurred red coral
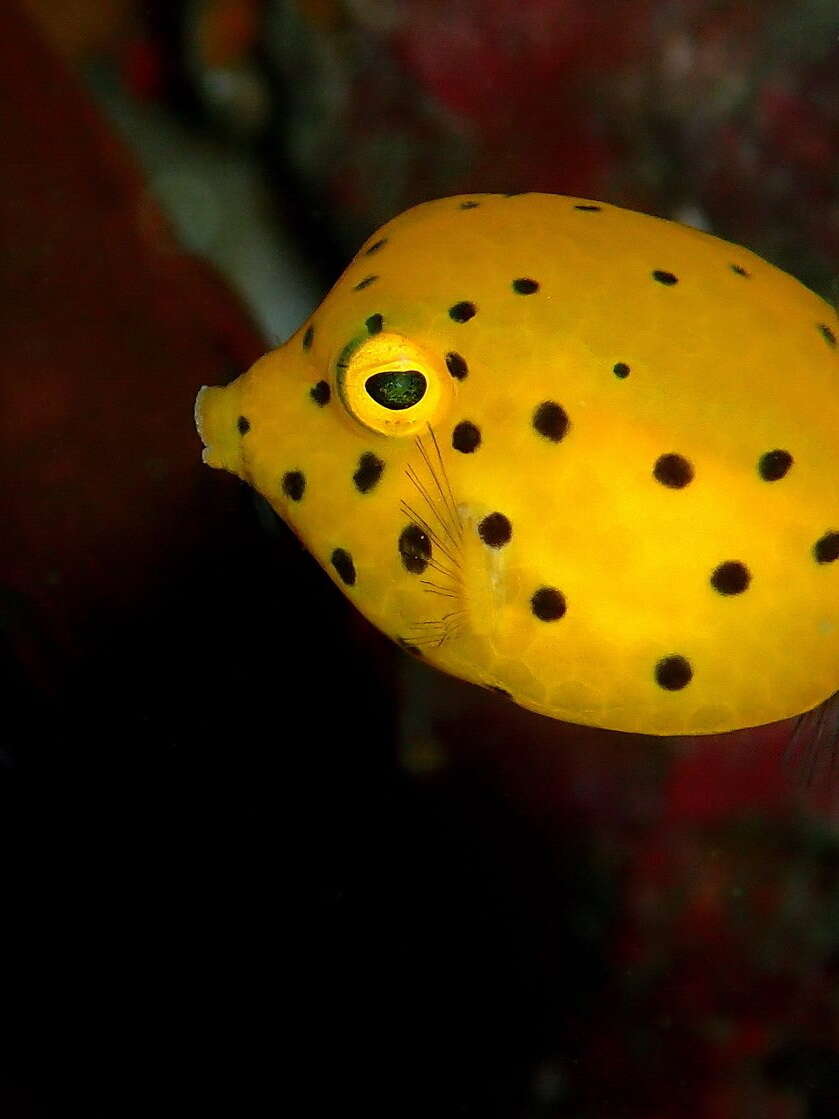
108	328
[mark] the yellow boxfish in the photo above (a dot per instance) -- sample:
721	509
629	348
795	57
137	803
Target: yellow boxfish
580	455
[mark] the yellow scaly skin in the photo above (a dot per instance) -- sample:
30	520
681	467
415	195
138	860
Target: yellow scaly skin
644	339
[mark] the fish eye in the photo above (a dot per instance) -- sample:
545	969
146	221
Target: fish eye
398	389
391	385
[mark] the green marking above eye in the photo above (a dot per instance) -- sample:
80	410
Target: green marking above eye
398	389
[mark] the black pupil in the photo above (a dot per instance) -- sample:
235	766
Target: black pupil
400	389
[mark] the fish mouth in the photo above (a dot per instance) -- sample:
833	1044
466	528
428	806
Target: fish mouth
198	418
221	426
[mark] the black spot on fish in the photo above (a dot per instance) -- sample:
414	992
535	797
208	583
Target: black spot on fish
374	324
365	283
826	550
469	205
466	437
369	471
740	271
308	338
827	334
414	548
620	369
551	420
457	366
343	564
294	484
673	471
666	278
374	248
321	393
548	604
463	312
525	286
243	425
585	206
774	465
730	577
495	530
673	673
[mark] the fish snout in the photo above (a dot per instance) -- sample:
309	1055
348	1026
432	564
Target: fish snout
221	425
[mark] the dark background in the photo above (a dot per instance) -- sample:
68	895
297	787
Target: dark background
256	860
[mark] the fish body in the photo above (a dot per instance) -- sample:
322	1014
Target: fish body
581	455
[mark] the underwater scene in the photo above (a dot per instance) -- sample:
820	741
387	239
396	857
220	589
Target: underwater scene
420	563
